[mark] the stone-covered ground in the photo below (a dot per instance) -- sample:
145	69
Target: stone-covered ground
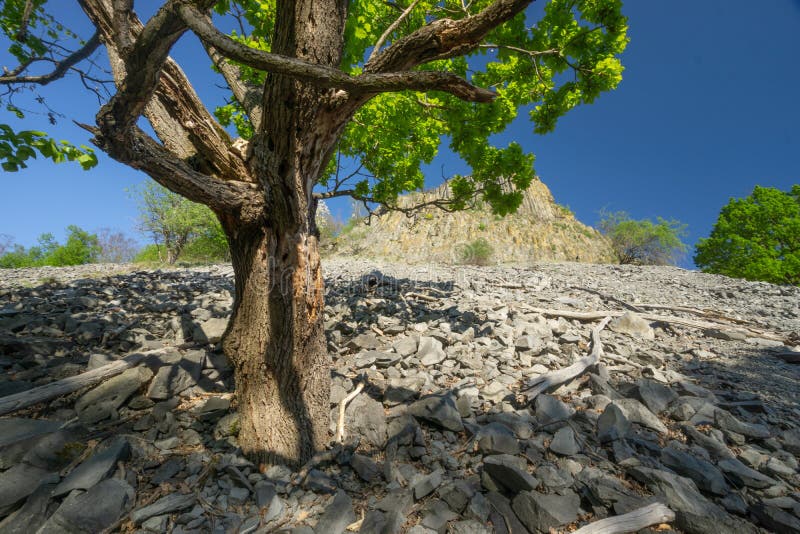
704	420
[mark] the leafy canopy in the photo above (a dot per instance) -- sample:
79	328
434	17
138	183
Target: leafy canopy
33	36
565	59
644	242
756	237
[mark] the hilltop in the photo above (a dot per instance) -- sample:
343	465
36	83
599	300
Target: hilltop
540	231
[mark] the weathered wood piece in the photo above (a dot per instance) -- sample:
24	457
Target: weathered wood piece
551	381
653	514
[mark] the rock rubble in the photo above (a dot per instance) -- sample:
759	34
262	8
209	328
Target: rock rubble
442	438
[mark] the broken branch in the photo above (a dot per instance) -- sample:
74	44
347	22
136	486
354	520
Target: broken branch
552	380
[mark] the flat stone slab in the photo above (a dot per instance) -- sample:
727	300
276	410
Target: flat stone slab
92	511
440	410
164	505
19	482
98	466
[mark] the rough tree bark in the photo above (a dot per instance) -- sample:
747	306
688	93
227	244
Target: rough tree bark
263	194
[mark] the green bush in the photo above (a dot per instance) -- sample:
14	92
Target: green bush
644	242
149	254
81	247
478	252
756	237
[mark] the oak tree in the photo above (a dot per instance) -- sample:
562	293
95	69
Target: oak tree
314	85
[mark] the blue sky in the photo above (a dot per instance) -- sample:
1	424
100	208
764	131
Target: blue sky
707	109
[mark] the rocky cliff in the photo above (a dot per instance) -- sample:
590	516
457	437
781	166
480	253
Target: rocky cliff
541	230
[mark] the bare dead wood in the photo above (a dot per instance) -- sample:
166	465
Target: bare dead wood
553	380
421	296
342	406
668	319
65	386
392	27
653	514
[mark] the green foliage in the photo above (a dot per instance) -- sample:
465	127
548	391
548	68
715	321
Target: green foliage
566	59
16	148
756	237
478	252
180	226
81	247
151	253
644	242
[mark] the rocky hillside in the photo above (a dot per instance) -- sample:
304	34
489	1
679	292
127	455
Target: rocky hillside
541	230
682	413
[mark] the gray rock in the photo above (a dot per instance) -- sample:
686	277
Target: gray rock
774	518
210	331
703	473
55	451
456	494
427	484
430	351
169	381
103	401
509	472
529	343
791	440
726	421
564	442
496	438
18	435
405	346
540	513
268	502
612	424
366	341
19	482
98	466
365	418
92	511
654	395
636	412
632	324
436	515
238	495
337	515
469	526
32	514
438	409
167	504
693	512
509	523
365	467
550	410
741	475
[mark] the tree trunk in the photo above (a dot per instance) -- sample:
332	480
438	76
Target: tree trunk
276	343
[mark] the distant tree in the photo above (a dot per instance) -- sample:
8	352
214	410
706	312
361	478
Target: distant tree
115	247
5	243
644	242
81	247
756	237
172	220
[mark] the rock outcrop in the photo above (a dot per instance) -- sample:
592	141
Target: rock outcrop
540	230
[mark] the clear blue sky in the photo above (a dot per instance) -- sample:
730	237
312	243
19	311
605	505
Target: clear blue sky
707	109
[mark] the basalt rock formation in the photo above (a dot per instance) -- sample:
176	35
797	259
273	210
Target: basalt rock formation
541	230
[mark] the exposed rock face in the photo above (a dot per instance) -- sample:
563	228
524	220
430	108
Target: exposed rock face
540	230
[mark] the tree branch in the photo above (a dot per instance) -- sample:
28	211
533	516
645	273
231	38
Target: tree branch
178	116
60	69
248	95
392	27
325	76
444	38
